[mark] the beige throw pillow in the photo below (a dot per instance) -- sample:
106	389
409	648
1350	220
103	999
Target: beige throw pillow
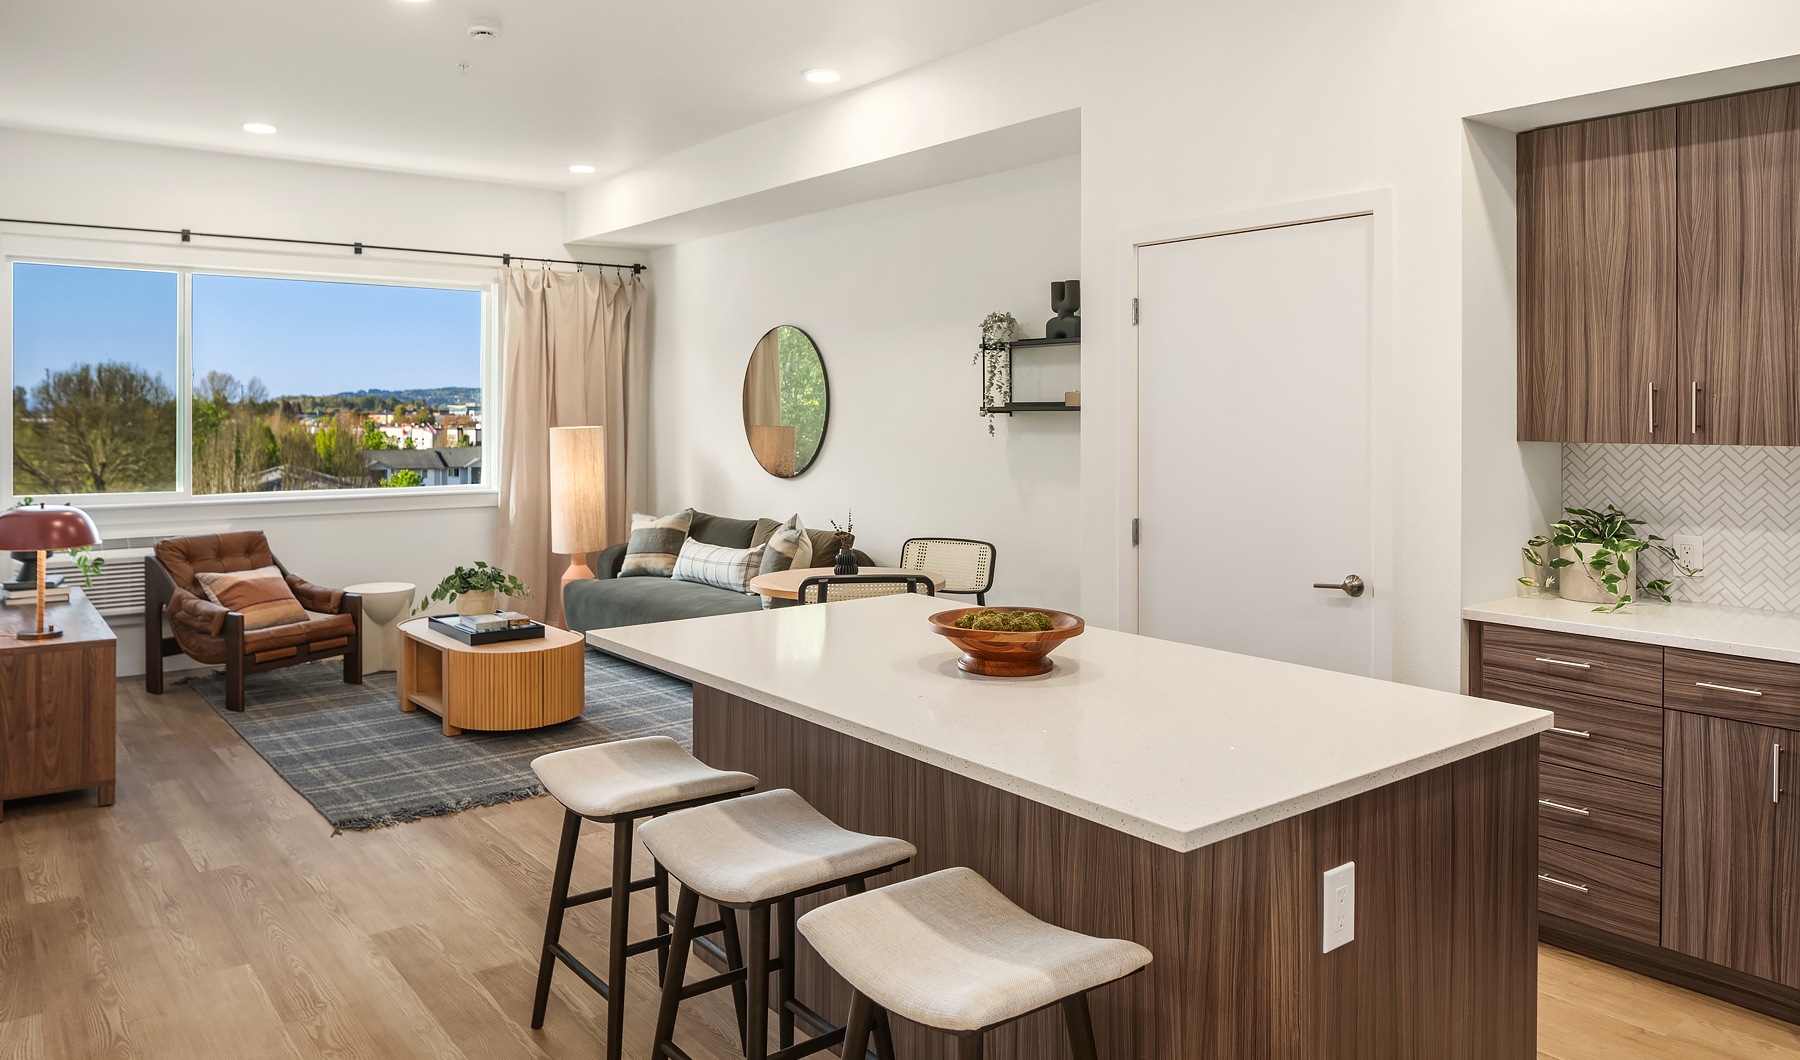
788	547
654	544
261	595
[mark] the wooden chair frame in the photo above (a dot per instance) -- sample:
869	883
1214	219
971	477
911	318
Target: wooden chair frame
159	590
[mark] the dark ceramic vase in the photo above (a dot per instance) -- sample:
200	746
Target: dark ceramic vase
1065	298
846	562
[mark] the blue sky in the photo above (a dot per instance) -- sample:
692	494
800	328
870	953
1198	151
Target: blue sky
297	336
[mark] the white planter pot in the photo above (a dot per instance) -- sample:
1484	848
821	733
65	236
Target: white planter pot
1573	583
482	603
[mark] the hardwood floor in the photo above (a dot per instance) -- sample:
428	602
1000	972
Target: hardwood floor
211	914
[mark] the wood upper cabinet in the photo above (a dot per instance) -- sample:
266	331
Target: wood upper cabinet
1659	275
1597	287
1719	841
1739	161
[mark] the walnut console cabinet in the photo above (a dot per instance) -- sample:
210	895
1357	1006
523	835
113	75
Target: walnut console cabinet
1669	807
56	703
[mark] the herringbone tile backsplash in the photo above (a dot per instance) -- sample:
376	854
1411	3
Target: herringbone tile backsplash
1743	501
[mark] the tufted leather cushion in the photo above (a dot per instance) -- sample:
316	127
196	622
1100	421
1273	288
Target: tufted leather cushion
240	550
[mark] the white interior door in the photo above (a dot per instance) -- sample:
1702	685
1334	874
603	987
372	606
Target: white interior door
1254	392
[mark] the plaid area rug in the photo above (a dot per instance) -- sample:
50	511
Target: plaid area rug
363	763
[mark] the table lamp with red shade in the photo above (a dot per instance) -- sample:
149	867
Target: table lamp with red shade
45	528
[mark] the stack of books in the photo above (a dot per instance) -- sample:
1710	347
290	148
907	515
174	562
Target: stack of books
488	629
25	594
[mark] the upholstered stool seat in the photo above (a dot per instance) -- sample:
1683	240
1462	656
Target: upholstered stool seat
757	855
764	846
950	952
627	776
619	784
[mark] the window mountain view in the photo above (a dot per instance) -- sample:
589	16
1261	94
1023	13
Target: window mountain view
96	409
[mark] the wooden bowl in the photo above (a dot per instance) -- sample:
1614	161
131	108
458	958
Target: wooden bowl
994	653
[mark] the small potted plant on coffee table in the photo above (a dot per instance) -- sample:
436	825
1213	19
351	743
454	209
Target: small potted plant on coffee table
474	590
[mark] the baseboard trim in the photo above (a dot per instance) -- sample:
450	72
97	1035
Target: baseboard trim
1691	973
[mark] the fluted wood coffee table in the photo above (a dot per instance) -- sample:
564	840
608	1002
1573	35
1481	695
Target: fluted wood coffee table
515	684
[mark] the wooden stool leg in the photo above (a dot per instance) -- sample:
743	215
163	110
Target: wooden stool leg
623	833
559	896
884	1036
1081	1027
661	876
859	1026
784	992
970	1046
734	958
680	942
756	955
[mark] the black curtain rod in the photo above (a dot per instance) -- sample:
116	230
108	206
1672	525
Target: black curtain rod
187	235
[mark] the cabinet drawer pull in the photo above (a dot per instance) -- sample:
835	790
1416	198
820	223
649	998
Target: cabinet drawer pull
1727	688
1775	768
1564	806
1579	734
1563	883
1564	662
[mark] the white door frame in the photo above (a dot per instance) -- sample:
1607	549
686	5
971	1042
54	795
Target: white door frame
1377	205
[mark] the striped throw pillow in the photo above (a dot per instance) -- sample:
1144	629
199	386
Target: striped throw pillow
788	547
261	595
726	568
654	544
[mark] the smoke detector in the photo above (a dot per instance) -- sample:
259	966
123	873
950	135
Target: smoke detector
484	29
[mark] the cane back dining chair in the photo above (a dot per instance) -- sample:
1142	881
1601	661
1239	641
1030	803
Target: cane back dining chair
826	588
966	566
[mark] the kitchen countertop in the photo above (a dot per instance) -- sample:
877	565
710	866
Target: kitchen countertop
1744	631
1178	745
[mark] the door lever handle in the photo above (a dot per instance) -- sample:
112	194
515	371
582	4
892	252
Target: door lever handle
1351	585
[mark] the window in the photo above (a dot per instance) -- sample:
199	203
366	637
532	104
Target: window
95	380
278	383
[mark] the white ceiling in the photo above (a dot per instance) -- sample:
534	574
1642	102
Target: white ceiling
375	82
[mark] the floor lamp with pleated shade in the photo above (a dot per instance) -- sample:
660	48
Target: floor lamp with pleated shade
577	496
43	529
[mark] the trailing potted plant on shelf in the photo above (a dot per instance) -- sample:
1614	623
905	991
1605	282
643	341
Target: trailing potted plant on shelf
1597	558
997	333
474	590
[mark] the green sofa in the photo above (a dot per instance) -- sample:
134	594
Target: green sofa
609	600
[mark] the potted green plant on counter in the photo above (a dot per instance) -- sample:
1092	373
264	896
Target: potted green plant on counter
474	590
1597	558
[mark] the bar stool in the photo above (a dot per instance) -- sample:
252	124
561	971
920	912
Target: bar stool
619	784
950	952
758	854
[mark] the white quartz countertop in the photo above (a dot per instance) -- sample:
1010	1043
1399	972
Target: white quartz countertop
1178	745
1755	634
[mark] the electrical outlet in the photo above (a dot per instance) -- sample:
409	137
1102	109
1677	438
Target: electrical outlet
1687	550
1340	905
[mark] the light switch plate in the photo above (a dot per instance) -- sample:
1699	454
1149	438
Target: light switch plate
1340	905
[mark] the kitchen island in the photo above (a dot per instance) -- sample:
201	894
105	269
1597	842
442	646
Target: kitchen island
1185	798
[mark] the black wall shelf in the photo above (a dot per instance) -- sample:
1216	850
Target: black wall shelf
1012	407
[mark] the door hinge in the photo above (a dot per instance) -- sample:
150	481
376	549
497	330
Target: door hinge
1134	312
1134	532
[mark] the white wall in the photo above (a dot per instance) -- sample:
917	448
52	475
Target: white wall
1193	110
66	178
893	291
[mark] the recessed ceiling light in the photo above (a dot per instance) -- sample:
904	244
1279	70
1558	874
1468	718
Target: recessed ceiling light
822	76
260	128
581	168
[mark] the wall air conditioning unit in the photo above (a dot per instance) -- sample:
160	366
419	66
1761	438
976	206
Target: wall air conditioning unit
119	590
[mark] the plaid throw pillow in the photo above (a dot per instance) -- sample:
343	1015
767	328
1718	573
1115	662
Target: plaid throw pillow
262	596
654	544
727	568
788	547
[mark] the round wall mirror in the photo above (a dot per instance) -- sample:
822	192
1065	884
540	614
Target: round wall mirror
786	401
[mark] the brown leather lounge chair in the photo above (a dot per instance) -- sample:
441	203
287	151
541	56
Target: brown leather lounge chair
210	634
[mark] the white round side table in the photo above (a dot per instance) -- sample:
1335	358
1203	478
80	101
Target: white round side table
384	605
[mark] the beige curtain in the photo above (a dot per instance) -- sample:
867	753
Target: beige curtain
573	357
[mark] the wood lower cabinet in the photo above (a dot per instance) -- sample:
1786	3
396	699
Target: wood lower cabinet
1719	878
1669	823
